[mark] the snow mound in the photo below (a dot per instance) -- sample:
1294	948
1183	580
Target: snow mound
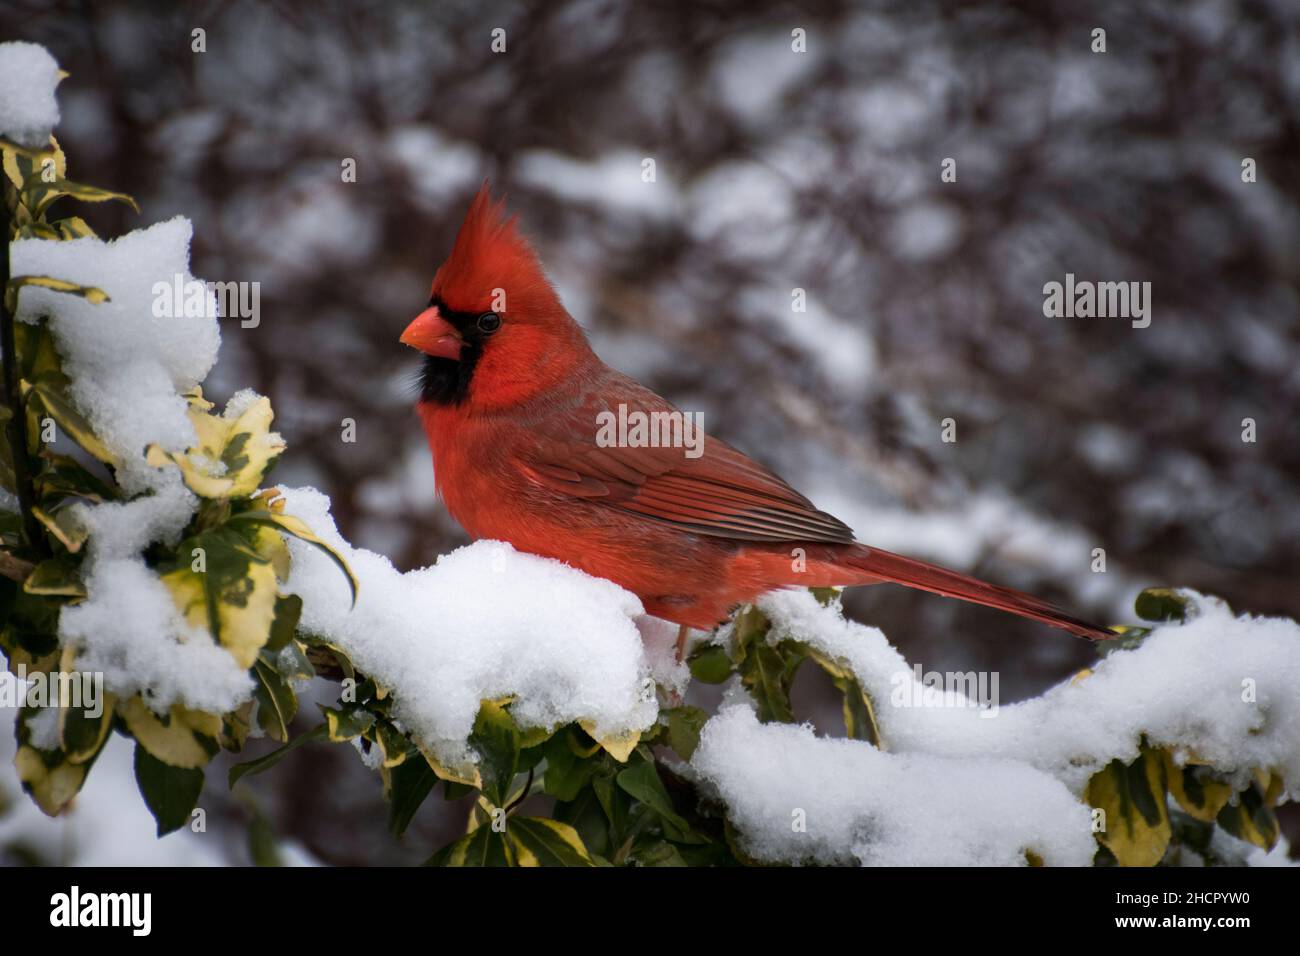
127	364
1219	689
28	109
795	797
485	622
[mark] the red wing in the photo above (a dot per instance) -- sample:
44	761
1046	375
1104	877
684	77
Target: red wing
722	493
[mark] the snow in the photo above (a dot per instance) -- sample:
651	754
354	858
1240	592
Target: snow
485	622
961	785
127	365
131	631
28	109
1220	688
799	798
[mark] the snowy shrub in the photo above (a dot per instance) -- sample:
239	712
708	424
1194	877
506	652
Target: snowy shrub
140	548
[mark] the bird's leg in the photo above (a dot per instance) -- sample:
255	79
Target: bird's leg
682	631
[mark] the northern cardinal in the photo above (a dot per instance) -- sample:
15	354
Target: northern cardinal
512	398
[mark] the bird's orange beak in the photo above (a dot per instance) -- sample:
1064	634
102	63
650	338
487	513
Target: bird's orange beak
433	335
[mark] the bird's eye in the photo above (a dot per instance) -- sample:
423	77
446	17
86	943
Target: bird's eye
489	322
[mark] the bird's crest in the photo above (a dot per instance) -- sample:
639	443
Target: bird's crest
490	261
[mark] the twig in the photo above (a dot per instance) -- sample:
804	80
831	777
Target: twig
15	569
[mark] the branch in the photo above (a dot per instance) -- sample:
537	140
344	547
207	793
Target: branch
17	427
15	569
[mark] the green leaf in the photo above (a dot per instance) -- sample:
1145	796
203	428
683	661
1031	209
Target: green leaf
394	745
233	452
585	814
288	611
406	786
171	793
276	702
63	477
566	772
291	662
710	664
767	672
56	577
684	726
482	847
496	739
657	852
82	736
352	720
38	357
538	841
642	781
1161	604
267	761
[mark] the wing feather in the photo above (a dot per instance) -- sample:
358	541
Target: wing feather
722	493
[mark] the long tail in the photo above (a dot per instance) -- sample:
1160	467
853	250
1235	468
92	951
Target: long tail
895	568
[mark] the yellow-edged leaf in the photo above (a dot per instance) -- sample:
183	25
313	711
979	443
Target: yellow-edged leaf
70	421
619	746
232	453
66	526
222	585
56	577
1195	788
187	738
539	841
300	530
1250	818
90	293
46	193
1132	797
52	786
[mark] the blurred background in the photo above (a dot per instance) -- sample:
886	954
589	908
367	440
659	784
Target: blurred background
775	170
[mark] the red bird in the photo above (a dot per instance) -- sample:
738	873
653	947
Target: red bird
512	398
